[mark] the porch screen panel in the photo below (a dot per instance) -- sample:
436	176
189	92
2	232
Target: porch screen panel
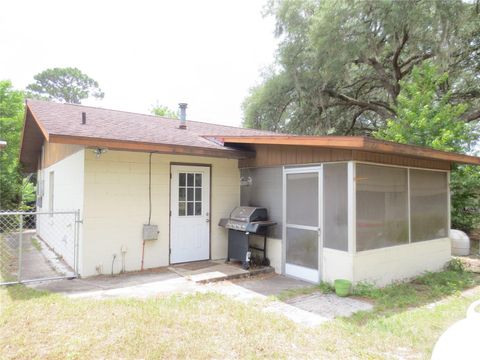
428	204
302	247
302	199
382	206
335	205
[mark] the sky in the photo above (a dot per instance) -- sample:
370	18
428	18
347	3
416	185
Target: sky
206	53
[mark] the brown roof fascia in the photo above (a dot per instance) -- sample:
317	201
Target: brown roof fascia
149	147
375	145
343	142
353	143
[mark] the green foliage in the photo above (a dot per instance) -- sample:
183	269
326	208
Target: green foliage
326	288
421	290
340	63
426	117
11	121
163	111
465	199
455	265
27	195
64	84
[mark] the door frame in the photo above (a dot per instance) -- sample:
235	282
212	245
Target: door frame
173	163
300	170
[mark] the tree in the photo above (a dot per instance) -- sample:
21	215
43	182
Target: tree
340	63
65	85
426	117
11	121
163	111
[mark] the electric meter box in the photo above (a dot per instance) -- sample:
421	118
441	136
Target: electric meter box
150	232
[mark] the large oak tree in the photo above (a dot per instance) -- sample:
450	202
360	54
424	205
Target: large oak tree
340	64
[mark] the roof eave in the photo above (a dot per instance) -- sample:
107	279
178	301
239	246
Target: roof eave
126	145
352	143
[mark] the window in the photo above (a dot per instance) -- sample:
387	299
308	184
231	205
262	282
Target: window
51	191
189	194
382	206
335	203
428	204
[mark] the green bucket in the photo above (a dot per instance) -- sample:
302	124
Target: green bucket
342	287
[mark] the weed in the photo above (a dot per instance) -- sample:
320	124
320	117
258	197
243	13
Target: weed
36	244
326	288
455	264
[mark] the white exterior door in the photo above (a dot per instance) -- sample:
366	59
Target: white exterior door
302	223
190	213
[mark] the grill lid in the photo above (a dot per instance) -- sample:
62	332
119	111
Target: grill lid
249	214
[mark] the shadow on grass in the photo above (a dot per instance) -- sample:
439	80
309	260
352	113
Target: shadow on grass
405	296
21	292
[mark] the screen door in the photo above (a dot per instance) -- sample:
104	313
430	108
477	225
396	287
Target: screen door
302	223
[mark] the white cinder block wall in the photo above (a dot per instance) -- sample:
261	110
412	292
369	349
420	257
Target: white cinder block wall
116	207
68	179
383	266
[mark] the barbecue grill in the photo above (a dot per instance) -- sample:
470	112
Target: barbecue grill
244	221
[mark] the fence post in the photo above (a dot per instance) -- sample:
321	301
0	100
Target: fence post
20	247
76	241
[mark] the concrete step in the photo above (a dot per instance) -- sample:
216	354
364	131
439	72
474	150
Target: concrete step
216	271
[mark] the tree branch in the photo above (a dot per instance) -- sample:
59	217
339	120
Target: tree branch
412	61
354	120
471	116
396	67
377	107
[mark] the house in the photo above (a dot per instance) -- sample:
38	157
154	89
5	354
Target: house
345	207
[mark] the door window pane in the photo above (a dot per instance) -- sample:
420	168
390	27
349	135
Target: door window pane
189	208
198	194
428	204
181	208
302	247
382	206
335	202
181	179
190	194
190	179
181	194
198	179
198	208
302	199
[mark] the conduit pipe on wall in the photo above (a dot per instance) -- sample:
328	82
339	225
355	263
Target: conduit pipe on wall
149	202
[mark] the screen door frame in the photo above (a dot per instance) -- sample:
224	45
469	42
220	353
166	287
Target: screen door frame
317	169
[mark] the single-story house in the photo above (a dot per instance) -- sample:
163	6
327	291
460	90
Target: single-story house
345	207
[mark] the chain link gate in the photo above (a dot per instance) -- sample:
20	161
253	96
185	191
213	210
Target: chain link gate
38	246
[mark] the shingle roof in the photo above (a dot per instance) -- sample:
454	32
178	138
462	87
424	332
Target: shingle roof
66	120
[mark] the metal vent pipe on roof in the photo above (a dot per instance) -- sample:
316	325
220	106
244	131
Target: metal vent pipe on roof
84	118
183	115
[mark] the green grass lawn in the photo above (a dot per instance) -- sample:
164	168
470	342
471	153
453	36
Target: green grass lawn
37	324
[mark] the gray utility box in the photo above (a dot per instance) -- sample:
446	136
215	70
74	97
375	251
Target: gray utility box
150	232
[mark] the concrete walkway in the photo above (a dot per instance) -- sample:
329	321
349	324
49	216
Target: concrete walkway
37	260
310	310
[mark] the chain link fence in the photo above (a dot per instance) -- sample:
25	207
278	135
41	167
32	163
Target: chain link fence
37	246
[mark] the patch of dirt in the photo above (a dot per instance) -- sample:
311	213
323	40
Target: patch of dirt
475	235
471	262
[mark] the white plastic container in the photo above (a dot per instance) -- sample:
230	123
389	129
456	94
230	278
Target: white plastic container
460	243
460	341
